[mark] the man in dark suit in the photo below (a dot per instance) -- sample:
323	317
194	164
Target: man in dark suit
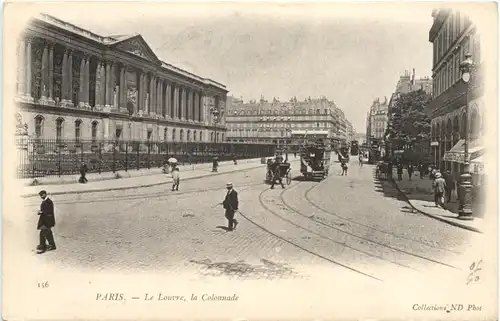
45	223
230	204
277	172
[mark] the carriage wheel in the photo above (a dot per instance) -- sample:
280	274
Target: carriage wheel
288	178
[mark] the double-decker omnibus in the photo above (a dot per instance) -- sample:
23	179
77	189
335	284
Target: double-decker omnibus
302	137
354	147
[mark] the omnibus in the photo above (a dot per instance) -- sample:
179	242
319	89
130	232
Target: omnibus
354	147
302	137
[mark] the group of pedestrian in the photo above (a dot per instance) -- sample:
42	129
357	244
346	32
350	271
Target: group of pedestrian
443	185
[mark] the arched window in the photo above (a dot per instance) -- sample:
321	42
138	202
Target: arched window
201	136
181	135
165	132
59	128
217	138
212	137
78	124
222	137
194	136
94	130
173	134
38	126
188	135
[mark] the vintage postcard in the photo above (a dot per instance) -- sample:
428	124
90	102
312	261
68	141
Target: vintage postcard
250	161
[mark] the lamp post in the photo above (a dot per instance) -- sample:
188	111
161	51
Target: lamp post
465	210
215	118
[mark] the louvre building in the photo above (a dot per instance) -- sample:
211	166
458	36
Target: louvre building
74	84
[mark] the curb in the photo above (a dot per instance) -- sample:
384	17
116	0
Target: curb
457	224
136	186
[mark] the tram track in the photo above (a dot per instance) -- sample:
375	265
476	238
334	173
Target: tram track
160	194
295	244
329	212
376	243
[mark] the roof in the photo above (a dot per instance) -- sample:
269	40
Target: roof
309	132
139	46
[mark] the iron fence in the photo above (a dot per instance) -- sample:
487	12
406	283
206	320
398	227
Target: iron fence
52	157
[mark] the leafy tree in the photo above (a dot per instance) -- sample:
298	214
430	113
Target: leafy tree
409	126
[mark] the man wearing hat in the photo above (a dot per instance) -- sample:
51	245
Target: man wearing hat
45	223
439	185
230	204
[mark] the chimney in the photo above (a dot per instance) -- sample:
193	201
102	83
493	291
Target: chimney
413	77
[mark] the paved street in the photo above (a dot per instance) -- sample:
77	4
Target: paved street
351	225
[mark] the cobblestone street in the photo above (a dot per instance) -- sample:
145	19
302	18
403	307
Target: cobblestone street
348	224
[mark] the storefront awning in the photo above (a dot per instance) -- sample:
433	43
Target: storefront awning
457	155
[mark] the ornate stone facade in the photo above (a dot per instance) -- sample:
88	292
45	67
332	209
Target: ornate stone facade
273	122
71	82
453	35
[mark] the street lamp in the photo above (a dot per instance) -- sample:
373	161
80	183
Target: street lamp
465	210
214	110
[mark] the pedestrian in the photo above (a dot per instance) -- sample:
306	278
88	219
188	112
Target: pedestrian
410	170
439	185
230	204
360	160
432	171
421	170
215	164
234	160
46	222
295	154
344	168
450	185
175	178
83	171
277	172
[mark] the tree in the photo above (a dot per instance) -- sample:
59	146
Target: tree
409	126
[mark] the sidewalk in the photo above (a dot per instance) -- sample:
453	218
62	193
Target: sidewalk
419	194
153	177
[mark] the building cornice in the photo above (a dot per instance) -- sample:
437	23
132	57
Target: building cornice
90	43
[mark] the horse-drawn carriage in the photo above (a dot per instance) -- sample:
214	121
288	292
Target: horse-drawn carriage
275	168
382	170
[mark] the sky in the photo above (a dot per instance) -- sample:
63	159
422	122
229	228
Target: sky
350	53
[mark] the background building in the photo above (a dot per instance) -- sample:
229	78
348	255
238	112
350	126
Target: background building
273	122
453	36
75	84
377	120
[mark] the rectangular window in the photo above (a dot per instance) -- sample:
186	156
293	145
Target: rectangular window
118	133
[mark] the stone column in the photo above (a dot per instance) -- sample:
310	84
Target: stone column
51	74
108	91
151	109
86	82
64	79
183	104
21	72
159	100
103	84
175	114
29	97
122	100
70	78
195	106
192	107
168	105
140	95
202	109
45	74
81	92
98	84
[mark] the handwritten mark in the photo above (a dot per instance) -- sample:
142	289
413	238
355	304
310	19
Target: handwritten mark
475	267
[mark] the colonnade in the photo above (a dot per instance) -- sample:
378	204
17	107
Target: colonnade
88	81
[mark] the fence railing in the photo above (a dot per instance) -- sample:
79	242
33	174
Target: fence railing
52	157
